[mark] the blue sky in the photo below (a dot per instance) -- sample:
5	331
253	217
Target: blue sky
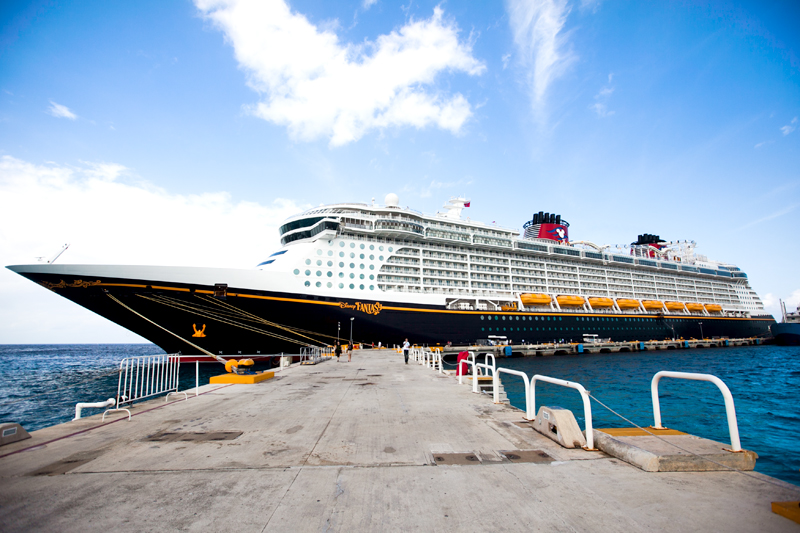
139	132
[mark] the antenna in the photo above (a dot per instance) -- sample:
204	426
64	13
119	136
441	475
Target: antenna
63	249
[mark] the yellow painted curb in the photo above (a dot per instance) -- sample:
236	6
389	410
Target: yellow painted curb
246	379
790	510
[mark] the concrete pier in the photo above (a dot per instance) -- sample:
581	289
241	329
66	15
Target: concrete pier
364	446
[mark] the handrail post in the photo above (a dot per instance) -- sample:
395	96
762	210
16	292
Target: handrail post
529	414
197	377
587	407
730	410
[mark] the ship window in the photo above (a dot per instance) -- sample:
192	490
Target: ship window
372	267
341	264
390	249
308	261
372	287
504	317
330	263
308	283
482	329
362	246
380	248
371	246
319	272
496	317
330	284
296	271
342	245
352	286
361	256
308	272
319	263
352	245
371	276
330	252
361	286
341	285
352	275
361	265
341	254
341	274
352	255
330	274
361	276
352	265
380	258
481	317
371	257
319	284
319	252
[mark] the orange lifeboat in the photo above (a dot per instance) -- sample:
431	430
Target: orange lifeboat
570	301
713	308
600	303
695	308
535	299
653	304
627	303
675	306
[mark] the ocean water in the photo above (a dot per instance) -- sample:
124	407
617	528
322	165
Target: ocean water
40	385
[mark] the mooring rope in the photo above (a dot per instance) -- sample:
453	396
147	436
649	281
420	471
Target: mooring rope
193	345
744	473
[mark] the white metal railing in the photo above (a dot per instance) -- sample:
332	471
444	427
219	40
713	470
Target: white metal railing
587	407
310	355
143	377
529	413
730	410
97	405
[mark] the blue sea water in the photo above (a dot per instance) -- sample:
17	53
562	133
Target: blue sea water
40	385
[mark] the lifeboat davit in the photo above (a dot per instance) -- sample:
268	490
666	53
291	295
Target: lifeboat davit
601	303
570	301
713	308
535	299
652	304
627	303
695	308
675	306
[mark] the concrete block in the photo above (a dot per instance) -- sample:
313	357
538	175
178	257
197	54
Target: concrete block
242	379
12	432
559	425
790	510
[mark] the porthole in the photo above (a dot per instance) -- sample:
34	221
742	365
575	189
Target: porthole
341	285
341	244
372	267
352	275
380	258
308	261
308	283
481	317
319	272
489	317
483	329
361	286
372	287
352	255
362	246
361	276
352	286
361	256
380	248
330	253
341	274
319	262
308	272
330	274
296	271
371	257
517	317
391	249
504	317
361	266
496	317
319	284
352	245
330	284
330	263
371	276
371	246
341	254
352	265
319	252
341	264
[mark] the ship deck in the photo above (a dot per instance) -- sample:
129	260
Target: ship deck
351	447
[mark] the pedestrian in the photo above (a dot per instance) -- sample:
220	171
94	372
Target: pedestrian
406	346
337	351
349	353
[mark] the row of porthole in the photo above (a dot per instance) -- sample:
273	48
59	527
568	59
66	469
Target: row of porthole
330	274
580	318
362	246
341	285
341	254
362	266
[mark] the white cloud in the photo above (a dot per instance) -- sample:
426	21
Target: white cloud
110	216
61	111
369	3
543	48
601	99
317	86
790	127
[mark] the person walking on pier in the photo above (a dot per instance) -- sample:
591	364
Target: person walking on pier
349	352
406	347
337	351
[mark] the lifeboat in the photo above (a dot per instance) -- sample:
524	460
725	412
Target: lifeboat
535	299
570	301
600	303
675	306
713	308
652	304
695	308
627	303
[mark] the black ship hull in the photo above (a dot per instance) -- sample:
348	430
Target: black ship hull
235	321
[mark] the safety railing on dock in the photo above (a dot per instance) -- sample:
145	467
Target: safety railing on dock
310	355
145	377
730	410
587	407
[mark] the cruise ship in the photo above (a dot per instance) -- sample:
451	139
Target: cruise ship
387	273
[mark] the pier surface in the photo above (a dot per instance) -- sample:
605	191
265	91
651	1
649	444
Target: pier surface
352	447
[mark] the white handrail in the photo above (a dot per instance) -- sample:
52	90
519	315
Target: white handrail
96	405
142	377
529	414
587	406
730	410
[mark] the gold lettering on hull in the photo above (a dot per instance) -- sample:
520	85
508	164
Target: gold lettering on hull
199	332
370	309
78	283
